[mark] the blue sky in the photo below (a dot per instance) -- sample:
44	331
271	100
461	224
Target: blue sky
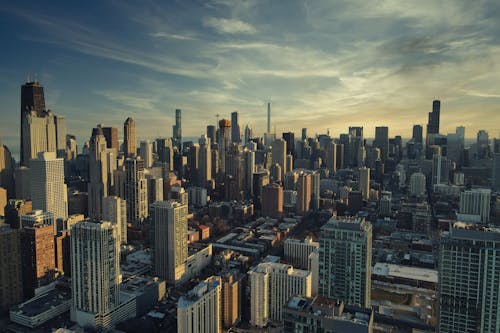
324	64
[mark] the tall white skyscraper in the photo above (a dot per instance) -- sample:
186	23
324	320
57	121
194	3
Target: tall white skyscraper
271	285
114	210
170	239
95	271
136	191
98	172
364	182
48	190
279	154
200	309
345	256
469	279
476	202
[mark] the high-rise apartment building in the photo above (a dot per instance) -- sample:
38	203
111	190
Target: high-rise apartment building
129	138
417	184
331	156
469	281
95	271
304	191
272	201
200	309
11	287
204	162
146	153
48	190
114	210
297	251
37	257
170	239
271	285
345	255
476	202
231	297
136	192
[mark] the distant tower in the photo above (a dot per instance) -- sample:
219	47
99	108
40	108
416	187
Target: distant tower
235	128
32	98
433	124
129	138
417	133
177	128
224	141
98	171
268	117
136	192
279	155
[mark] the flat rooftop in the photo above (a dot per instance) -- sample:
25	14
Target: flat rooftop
406	272
43	303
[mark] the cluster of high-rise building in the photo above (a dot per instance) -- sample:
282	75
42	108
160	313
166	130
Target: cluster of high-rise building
309	233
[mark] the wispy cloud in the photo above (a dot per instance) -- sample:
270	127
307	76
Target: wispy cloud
167	35
229	26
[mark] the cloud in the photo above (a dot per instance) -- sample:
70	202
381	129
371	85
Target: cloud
229	26
167	35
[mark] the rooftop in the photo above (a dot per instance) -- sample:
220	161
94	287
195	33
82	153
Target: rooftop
407	272
43	303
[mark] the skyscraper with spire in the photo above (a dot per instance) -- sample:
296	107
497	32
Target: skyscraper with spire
129	138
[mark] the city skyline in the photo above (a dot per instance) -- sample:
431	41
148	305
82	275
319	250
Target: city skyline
222	56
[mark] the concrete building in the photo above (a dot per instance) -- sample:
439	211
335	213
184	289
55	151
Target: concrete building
345	254
271	285
204	162
297	251
11	288
146	153
136	192
48	190
469	281
14	209
364	182
98	172
417	184
318	314
476	202
304	192
279	154
231	297
170	240
200	309
115	211
39	217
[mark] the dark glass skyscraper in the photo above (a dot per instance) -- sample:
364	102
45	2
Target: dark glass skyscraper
32	98
177	128
235	128
289	137
382	141
417	133
433	124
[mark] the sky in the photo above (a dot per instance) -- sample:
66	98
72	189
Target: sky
324	65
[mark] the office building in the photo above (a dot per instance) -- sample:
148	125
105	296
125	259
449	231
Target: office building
114	210
297	252
248	134
235	128
48	190
39	217
469	284
364	182
417	184
271	285
204	161
14	209
129	138
135	190
304	192
476	202
289	138
382	141
37	257
417	134
440	170
11	287
331	156
433	123
211	133
272	201
200	309
146	153
301	315
170	239
345	254
32	106
7	169
177	128
98	172
111	136
224	143
279	148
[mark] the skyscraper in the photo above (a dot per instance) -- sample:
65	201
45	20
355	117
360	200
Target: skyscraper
304	191
211	133
200	309
146	153
95	271
235	128
364	182
345	255
331	156
417	184
272	201
382	141
114	210
177	128
289	137
469	281
98	172
32	99
60	127
48	190
476	202
433	123
417	133
170	239
136	192
268	117
496	172
111	136
204	161
224	143
129	138
279	148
